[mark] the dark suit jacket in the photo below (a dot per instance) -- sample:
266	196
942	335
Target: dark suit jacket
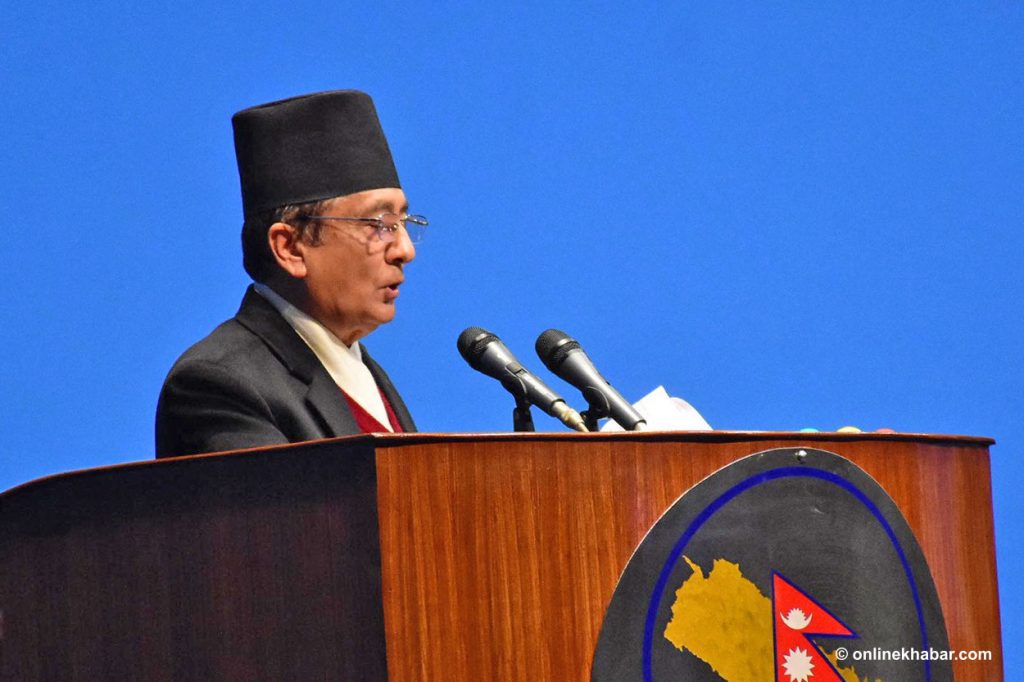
252	382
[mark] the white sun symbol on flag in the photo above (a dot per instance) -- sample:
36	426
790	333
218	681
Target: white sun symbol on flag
798	665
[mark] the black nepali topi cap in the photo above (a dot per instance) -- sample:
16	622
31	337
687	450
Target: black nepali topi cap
308	148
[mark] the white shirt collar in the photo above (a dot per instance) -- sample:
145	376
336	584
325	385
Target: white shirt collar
343	363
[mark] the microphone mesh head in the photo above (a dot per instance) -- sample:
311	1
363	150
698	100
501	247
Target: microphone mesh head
553	346
472	342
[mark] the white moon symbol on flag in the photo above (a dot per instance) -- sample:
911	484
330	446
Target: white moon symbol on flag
796	619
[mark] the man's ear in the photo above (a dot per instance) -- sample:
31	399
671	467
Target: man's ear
288	248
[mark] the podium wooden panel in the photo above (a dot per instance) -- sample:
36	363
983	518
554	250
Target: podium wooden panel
409	557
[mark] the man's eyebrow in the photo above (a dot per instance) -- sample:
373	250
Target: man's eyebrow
385	205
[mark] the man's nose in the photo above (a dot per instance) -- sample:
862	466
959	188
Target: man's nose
401	250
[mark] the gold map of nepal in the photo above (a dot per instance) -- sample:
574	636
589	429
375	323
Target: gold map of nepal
725	621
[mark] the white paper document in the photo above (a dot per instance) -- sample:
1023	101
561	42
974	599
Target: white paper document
665	413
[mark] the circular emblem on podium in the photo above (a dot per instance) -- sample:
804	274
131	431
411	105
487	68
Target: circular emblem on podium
791	565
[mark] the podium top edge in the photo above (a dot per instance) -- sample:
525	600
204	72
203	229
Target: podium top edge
376	440
675	436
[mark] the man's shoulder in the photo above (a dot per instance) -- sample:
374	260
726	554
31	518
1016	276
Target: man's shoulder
231	390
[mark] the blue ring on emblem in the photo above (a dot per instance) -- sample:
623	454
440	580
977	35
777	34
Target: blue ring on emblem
743	486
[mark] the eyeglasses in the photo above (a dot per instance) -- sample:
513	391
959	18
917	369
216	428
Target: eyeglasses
386	225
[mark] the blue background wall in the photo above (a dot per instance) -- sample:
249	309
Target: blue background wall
808	215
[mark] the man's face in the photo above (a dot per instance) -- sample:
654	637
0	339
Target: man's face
352	277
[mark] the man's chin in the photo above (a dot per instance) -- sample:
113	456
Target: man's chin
385	314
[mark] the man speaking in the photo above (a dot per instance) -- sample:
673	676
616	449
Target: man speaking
326	238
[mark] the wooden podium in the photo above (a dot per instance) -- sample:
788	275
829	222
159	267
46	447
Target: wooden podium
410	557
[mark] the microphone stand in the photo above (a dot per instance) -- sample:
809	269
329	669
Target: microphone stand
522	418
597	407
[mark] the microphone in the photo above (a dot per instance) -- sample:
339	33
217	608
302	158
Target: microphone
487	354
562	354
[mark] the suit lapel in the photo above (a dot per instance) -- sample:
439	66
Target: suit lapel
326	399
385	385
323	396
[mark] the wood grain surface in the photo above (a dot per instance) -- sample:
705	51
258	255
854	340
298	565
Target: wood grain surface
500	554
